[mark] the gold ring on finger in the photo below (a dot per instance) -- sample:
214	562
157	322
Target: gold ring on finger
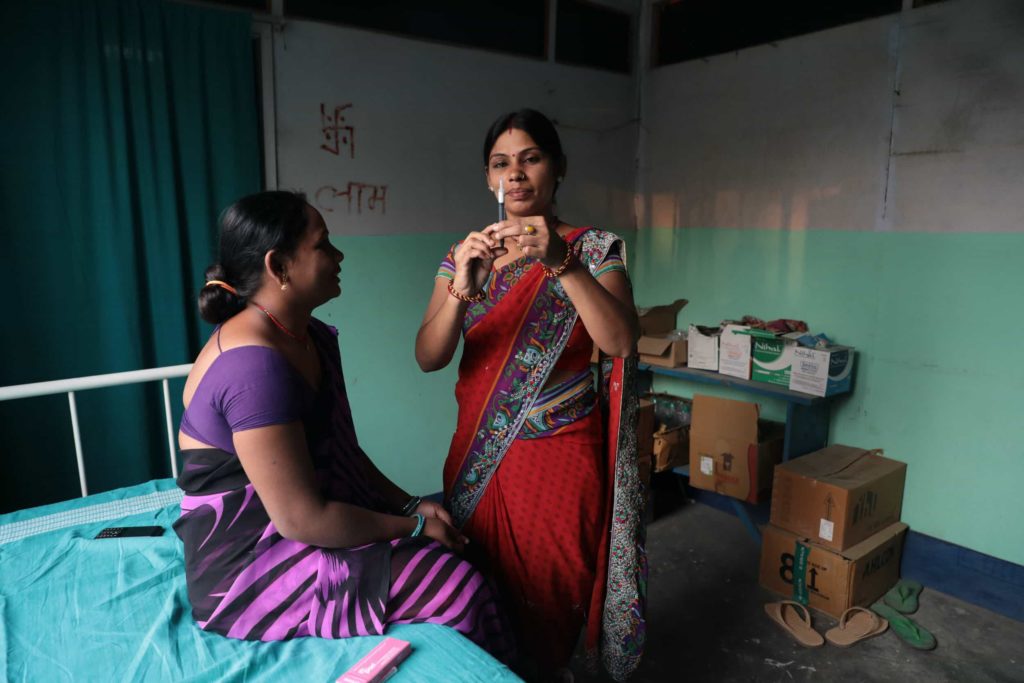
529	229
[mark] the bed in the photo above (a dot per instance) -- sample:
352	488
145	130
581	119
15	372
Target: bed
76	608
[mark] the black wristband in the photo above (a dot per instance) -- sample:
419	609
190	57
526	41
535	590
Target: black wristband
411	505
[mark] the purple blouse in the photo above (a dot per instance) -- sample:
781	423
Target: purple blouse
244	388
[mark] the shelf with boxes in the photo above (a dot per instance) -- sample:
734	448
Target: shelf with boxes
716	421
807	416
807	372
728	450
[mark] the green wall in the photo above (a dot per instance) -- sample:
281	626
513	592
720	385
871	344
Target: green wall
404	417
935	319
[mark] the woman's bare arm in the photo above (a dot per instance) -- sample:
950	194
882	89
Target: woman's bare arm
276	460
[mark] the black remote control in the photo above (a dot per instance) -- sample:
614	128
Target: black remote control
126	531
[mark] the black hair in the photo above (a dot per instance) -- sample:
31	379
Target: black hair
534	124
249	228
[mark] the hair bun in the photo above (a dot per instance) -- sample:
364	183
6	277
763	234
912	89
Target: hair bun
218	299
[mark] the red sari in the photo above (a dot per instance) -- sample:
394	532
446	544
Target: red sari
544	480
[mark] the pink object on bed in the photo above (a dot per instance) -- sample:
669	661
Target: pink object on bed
380	663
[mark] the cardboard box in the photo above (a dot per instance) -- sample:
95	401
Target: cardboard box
671	448
822	372
702	347
731	451
655	321
831	581
734	351
664	351
772	358
838	496
658	320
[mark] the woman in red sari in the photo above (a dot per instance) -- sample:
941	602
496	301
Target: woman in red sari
542	473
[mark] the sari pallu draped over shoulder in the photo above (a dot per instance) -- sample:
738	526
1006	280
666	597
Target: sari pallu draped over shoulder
498	386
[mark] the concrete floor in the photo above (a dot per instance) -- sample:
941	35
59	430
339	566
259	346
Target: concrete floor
706	621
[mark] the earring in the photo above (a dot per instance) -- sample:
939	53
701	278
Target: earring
284	283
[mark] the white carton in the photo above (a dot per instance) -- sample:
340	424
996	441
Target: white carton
822	372
734	351
702	349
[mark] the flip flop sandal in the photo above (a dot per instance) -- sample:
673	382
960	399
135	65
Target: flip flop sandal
856	624
903	596
905	627
787	614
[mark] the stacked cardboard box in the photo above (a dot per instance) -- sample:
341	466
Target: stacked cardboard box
835	539
732	452
659	343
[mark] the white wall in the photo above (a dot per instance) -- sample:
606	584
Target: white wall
418	114
957	161
907	122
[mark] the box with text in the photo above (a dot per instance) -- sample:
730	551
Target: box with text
822	372
702	347
732	452
826	579
838	496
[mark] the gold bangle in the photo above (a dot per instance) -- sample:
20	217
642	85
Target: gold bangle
566	262
476	298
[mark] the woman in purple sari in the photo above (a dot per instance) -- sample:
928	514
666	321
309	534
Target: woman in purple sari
289	529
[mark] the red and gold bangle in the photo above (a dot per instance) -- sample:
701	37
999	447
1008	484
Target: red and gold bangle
566	262
476	298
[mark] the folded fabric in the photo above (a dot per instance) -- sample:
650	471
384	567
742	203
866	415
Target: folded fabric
778	326
856	624
903	596
905	627
794	620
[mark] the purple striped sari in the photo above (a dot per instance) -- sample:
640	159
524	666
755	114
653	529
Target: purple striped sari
247	581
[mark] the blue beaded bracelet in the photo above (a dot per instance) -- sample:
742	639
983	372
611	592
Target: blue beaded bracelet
420	521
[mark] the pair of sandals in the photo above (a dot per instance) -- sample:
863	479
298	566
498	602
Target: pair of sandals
858	623
855	624
901	600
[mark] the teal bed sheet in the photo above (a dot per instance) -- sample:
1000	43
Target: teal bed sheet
73	608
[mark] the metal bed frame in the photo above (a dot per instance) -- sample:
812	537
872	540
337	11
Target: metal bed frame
70	386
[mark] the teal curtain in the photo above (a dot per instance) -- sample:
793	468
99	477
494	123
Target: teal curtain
127	125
